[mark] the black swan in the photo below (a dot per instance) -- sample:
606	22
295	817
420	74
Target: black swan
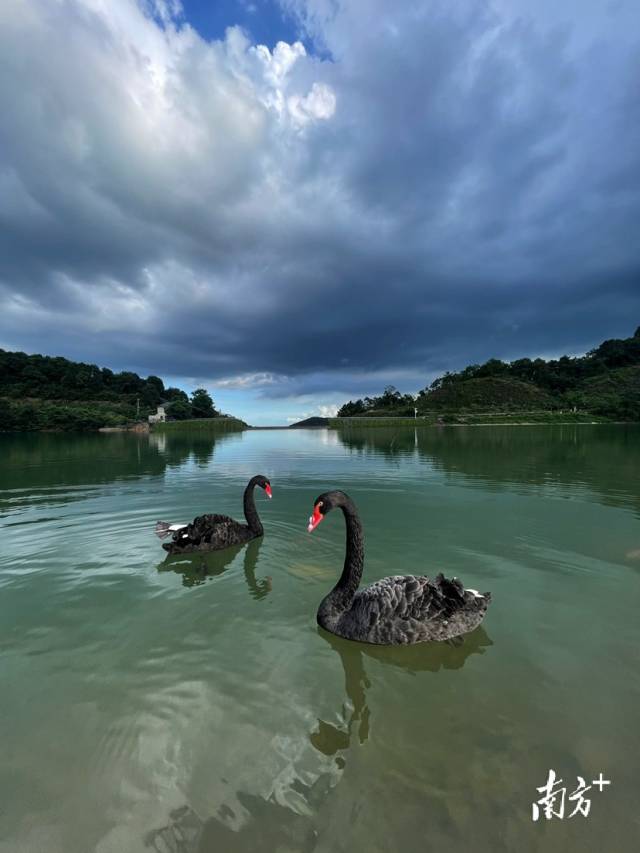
397	610
214	532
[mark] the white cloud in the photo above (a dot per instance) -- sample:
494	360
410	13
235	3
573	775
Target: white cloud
149	121
320	103
140	161
317	105
278	64
322	411
447	185
250	380
328	411
167	11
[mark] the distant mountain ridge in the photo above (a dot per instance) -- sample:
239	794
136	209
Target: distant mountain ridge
310	422
605	383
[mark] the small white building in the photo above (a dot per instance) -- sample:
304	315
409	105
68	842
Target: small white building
159	417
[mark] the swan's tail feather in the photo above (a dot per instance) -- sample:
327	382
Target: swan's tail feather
480	599
163	528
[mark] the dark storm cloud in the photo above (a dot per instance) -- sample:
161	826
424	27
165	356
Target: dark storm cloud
449	183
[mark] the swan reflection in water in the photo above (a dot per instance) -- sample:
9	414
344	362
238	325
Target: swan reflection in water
275	828
197	569
422	657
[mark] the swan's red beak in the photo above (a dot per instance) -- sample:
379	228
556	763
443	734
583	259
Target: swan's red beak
267	489
315	519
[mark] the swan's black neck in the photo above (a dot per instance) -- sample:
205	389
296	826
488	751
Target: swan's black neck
250	511
343	592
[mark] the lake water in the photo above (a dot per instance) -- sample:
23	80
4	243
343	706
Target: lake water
193	706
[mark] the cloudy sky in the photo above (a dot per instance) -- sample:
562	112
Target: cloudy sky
298	202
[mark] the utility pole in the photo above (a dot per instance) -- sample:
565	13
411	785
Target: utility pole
137	407
415	413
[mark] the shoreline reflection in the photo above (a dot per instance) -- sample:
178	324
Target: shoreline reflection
601	458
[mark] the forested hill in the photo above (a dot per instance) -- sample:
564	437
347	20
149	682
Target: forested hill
43	392
310	422
605	382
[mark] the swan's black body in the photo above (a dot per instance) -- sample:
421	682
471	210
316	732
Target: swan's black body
397	610
213	532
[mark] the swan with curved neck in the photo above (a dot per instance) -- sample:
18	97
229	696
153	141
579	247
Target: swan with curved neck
397	610
213	532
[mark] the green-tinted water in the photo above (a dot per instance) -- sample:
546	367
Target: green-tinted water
193	705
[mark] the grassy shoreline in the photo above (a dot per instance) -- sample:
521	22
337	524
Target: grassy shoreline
201	425
472	419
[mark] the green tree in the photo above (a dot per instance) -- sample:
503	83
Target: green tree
391	398
153	392
7	420
44	392
351	408
179	411
176	394
127	382
493	367
202	404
